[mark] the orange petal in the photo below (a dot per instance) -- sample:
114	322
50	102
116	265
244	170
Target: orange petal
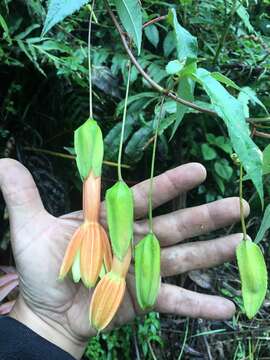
106	300
91	198
107	251
71	251
91	253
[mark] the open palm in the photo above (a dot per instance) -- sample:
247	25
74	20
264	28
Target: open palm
39	241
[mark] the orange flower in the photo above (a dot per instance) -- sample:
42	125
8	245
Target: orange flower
90	241
109	293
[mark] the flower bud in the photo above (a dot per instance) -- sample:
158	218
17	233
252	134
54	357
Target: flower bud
147	270
109	293
119	205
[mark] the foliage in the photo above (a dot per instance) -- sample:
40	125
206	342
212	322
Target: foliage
44	97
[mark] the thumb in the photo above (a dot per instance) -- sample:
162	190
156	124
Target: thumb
20	193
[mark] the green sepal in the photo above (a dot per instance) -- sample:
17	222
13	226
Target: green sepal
147	270
253	274
88	145
76	267
119	206
103	271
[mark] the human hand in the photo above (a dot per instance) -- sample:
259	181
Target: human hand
58	311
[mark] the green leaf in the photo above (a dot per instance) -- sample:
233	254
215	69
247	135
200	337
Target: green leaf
265	225
58	10
186	44
244	16
88	144
152	34
130	14
223	169
112	139
231	111
119	206
4	26
185	90
147	270
169	43
225	80
247	95
266	160
135	147
253	274
220	141
208	152
174	67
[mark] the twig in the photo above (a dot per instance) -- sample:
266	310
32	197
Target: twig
70	157
261	134
153	21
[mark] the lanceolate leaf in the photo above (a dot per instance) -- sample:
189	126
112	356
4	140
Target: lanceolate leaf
253	275
152	34
244	16
231	111
265	225
58	10
185	91
130	14
266	160
186	44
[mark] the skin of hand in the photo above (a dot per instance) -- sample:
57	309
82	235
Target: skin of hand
58	310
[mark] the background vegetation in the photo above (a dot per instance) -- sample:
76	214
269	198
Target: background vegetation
44	97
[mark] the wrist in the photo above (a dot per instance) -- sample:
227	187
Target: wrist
48	329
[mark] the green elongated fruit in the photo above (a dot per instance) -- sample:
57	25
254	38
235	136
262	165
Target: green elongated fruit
253	274
88	144
147	270
119	206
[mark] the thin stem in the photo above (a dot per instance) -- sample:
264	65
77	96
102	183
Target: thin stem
153	21
151	350
261	134
242	205
151	185
225	32
66	156
123	126
185	340
89	62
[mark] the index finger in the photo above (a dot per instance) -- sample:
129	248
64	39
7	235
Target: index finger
167	186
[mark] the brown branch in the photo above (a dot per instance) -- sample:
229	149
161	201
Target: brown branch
261	134
155	85
153	21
